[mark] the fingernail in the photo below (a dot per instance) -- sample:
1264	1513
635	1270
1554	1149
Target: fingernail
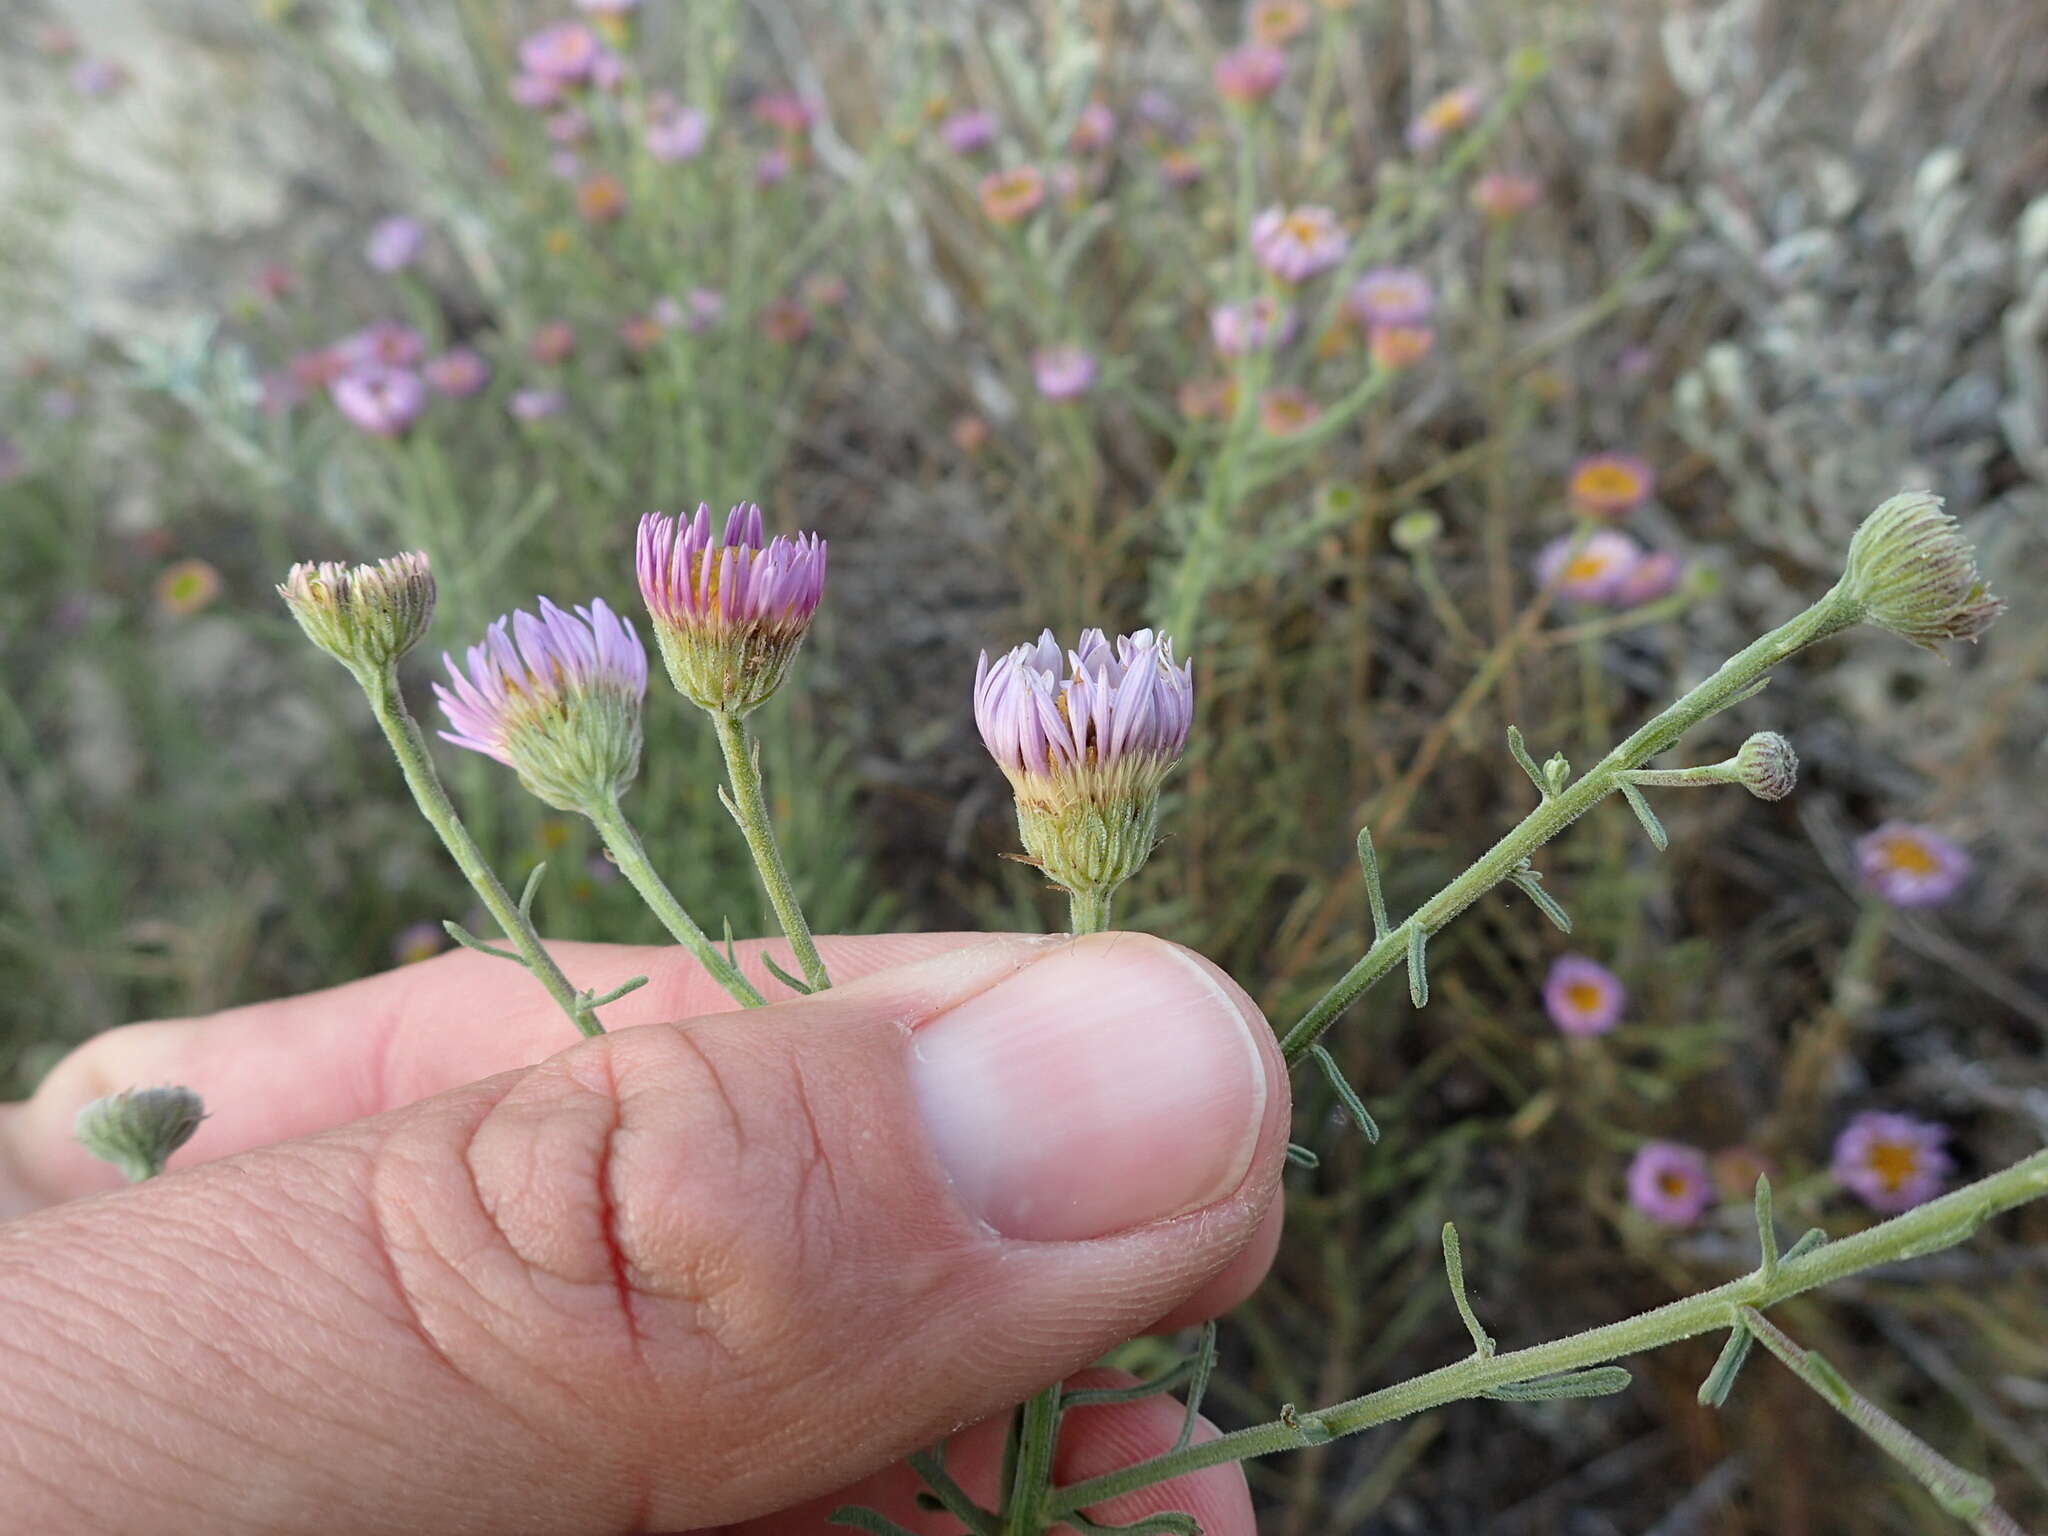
1110	1084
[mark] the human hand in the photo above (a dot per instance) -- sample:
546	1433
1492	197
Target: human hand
717	1272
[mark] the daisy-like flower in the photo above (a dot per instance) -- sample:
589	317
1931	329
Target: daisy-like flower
418	941
554	341
565	53
1450	114
457	373
1248	327
1391	296
1094	131
186	588
385	344
784	111
1008	197
364	616
557	699
1295	244
383	402
531	405
731	608
1277	22
676	133
1505	195
1247	76
1892	1162
1654	576
968	133
1395	347
1285	411
1910	866
1609	485
1582	996
772	169
395	243
1086	744
1594	570
601	199
1064	372
1668	1182
703	308
535	92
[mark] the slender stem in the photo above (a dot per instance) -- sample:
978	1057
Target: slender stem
1835	611
410	748
749	808
1087	911
1926	1229
623	843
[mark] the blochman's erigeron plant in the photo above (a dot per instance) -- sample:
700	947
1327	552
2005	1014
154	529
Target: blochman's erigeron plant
1087	738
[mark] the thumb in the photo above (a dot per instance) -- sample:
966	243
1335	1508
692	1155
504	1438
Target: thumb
675	1276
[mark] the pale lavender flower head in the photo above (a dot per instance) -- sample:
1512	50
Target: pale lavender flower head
1086	742
395	243
1669	1183
1095	129
1248	327
731	607
1063	372
1296	244
565	53
784	111
95	78
706	307
556	699
457	373
1449	115
608	70
565	165
571	125
1590	570
968	133
1892	1162
772	169
1609	485
1654	576
1248	75
385	344
1582	996
1911	866
676	134
535	92
382	401
530	405
1391	296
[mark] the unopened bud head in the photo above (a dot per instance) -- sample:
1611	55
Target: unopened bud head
362	615
1767	766
1414	531
1913	572
139	1128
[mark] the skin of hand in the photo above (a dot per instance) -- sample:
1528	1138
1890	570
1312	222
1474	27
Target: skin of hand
432	1266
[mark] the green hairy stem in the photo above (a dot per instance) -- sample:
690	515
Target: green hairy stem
749	807
623	844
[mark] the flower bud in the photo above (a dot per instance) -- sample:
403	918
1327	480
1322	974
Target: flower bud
730	612
1086	748
365	616
1767	766
555	698
1414	531
1913	572
139	1128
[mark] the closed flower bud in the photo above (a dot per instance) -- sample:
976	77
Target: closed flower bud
365	616
139	1128
1086	746
1767	766
1913	572
557	699
730	611
1415	531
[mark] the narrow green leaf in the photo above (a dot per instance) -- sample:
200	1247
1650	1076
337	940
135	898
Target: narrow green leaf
1354	1106
1600	1381
1165	1381
1198	1384
1170	1522
1302	1157
1454	1268
619	991
1766	1229
532	889
1418	965
948	1495
1810	1240
1530	883
1651	825
783	976
1521	751
1721	1379
468	940
1368	861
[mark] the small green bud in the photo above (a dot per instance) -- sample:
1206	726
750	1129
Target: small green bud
1767	766
1414	531
139	1128
364	616
1913	572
